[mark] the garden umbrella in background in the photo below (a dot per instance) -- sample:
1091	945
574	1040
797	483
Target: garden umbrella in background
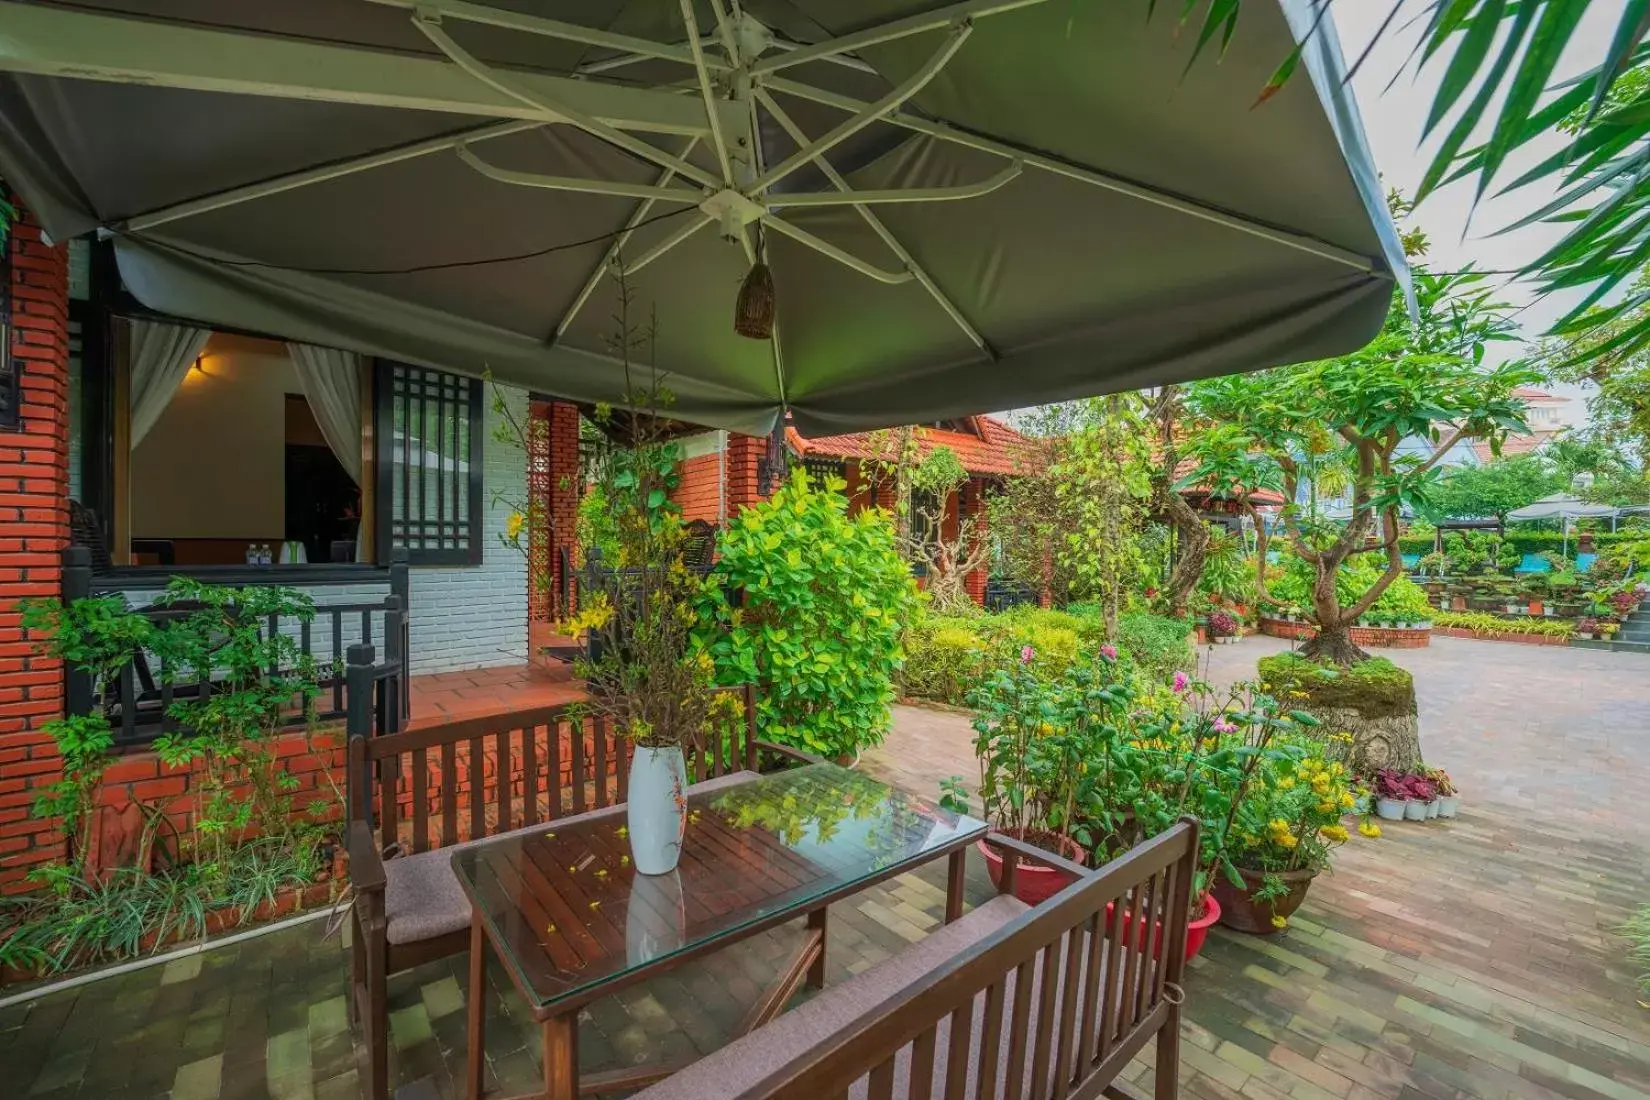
960	207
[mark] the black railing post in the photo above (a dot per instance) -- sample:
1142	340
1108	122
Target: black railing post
358	722
396	697
78	687
401	589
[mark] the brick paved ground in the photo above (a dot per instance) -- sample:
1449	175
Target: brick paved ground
1462	959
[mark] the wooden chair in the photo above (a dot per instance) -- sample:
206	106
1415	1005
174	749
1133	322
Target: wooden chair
416	795
1033	1003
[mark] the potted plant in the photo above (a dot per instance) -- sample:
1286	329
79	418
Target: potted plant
1030	738
1391	795
1223	627
1422	794
1587	628
1288	825
1449	798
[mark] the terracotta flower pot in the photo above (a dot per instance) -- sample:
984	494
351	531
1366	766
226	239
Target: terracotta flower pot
1197	929
1034	882
1239	910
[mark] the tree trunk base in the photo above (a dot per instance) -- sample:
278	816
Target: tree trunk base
1333	647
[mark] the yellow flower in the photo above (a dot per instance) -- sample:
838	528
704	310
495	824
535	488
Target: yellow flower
1286	783
1347	801
513	526
1280	922
1334	833
1326	807
1288	841
1369	829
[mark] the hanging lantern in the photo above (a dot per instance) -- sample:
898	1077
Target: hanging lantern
753	316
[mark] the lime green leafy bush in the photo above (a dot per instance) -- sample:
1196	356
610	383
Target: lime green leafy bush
947	656
1637	931
809	604
1291	586
1483	622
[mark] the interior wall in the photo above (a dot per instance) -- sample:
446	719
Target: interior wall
214	465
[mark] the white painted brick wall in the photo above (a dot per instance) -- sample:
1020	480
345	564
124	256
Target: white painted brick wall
462	616
476	617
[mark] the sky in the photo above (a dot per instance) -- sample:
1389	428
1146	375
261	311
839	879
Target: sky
1459	234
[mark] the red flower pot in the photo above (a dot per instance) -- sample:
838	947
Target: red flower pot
1197	930
1033	882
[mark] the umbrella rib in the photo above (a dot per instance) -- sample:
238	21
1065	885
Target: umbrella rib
946	131
888	32
676	237
613	250
868	113
691	24
617	188
827	248
877	226
291	181
549	28
897	194
634	146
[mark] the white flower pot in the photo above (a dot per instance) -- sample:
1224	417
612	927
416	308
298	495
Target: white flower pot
656	921
1432	809
657	811
1389	809
1448	804
1415	811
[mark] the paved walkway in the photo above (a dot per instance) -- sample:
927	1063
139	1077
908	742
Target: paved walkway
1469	958
1464	959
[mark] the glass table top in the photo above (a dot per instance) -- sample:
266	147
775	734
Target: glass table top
569	914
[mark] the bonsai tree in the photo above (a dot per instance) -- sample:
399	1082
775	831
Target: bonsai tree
1422	379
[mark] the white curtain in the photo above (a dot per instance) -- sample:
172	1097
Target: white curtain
161	357
332	385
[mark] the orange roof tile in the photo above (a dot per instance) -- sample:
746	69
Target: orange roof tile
991	448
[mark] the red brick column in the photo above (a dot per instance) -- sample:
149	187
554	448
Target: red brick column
974	505
565	488
34	529
744	452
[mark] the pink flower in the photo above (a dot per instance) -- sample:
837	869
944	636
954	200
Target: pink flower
1109	652
1221	725
1026	654
1181	682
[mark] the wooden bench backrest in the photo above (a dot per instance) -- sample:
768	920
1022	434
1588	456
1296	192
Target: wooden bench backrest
1102	988
434	786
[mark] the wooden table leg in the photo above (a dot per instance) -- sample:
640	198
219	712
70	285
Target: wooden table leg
475	1067
561	1057
816	972
956	874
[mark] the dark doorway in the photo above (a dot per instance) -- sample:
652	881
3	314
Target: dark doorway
322	503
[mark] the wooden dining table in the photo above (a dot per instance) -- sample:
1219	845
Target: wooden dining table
570	920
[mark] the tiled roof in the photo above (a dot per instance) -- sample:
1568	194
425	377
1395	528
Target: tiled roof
991	448
1188	465
1520	444
1530	394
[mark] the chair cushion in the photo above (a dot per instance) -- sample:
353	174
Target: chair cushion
422	895
744	1062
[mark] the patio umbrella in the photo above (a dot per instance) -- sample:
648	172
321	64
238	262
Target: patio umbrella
939	210
1560	506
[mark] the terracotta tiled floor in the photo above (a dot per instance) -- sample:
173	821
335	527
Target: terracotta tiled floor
1465	959
443	696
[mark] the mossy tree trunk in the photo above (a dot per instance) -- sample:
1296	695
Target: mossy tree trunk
1378	711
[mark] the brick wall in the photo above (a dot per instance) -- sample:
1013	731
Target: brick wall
565	485
973	504
1380	637
700	494
34	475
553	485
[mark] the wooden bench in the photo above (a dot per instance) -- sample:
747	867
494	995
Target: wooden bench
1009	1001
418	795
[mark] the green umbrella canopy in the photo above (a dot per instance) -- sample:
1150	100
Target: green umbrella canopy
967	206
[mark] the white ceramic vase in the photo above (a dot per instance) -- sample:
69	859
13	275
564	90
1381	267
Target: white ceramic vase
1432	809
1389	809
657	812
656	923
1413	810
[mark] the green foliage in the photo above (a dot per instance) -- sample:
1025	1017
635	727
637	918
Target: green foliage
1482	622
1291	586
1637	933
809	604
75	921
947	656
1375	688
1492	490
1102	478
1228	573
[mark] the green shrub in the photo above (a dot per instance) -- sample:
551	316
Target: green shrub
822	601
945	657
1158	646
1291	586
1482	622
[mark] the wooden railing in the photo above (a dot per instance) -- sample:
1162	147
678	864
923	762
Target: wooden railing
139	701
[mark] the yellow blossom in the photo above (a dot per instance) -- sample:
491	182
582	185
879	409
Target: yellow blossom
1347	801
513	526
1333	833
1286	783
1287	841
1280	922
1370	829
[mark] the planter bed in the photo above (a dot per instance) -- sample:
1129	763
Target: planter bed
1501	636
1385	637
288	902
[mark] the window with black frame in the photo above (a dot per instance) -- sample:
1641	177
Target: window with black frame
429	432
